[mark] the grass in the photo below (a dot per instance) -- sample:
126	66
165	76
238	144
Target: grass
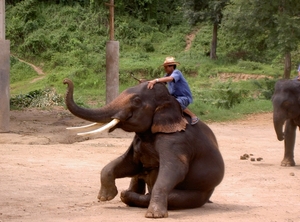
70	42
207	91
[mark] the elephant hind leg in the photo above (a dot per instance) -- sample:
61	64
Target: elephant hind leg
184	199
137	185
177	199
134	199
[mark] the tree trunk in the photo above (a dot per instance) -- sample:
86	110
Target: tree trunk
287	66
213	49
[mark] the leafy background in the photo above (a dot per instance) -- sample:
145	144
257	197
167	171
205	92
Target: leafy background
67	39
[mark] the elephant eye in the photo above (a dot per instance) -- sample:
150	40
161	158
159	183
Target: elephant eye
286	104
136	102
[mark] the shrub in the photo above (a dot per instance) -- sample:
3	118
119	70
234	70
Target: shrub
37	98
35	44
225	96
20	71
249	65
267	87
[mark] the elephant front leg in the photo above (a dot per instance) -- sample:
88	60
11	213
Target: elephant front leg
108	189
121	167
289	144
158	207
167	179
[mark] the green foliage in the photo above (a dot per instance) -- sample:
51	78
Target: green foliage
162	13
41	31
248	65
68	38
35	43
201	42
203	11
211	113
176	42
20	71
225	96
36	98
257	26
147	46
267	88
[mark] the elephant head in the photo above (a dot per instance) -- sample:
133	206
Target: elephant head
286	105
136	109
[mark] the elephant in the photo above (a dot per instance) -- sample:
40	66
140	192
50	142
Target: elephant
171	164
286	111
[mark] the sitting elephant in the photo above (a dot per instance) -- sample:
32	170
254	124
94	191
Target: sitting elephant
286	110
179	164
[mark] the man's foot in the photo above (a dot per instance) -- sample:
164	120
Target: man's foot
194	120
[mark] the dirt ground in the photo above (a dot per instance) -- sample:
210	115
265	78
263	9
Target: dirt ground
51	174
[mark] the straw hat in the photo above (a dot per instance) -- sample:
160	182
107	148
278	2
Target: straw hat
170	61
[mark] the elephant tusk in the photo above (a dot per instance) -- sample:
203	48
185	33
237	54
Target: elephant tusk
108	126
91	126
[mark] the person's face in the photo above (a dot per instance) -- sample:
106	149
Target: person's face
169	69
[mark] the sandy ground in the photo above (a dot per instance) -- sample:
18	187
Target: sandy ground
50	174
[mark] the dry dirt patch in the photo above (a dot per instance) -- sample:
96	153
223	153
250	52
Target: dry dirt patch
50	174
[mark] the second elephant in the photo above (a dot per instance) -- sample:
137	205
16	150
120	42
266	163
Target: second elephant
286	113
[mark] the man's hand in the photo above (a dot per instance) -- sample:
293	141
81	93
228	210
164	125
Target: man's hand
151	84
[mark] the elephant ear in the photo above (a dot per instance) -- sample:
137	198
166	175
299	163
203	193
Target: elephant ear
168	119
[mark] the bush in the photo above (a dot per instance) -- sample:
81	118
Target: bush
37	98
20	71
35	44
225	96
267	87
249	65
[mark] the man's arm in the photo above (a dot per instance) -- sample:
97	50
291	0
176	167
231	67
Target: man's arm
151	83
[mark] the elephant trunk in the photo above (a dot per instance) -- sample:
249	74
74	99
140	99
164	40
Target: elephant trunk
102	115
278	126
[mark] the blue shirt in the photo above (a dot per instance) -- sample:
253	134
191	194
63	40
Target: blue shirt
179	86
299	68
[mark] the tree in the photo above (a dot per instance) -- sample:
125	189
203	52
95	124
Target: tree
206	10
262	24
164	13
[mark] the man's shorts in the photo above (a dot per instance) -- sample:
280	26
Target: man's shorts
183	101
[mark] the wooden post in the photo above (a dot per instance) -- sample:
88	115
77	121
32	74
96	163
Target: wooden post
4	73
112	59
111	20
2	19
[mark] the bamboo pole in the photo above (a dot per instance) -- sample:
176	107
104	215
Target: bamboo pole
2	19
112	59
4	73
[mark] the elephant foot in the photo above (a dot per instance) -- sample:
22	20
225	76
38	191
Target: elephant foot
106	194
156	211
134	199
288	162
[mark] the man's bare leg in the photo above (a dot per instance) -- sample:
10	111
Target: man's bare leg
195	119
